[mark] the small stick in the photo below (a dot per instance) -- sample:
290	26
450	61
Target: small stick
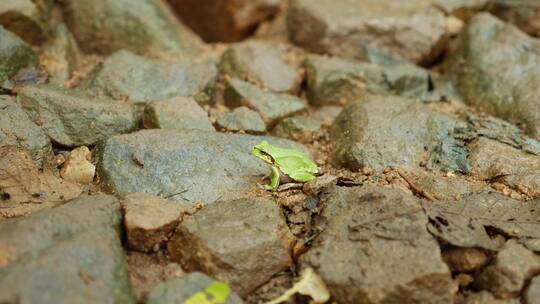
415	188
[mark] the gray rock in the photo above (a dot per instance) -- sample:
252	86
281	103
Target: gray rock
15	55
70	254
242	119
332	80
300	128
241	242
389	131
17	129
179	113
149	220
375	247
26	18
505	277
271	106
183	289
190	166
532	294
411	30
60	55
126	75
494	160
231	20
74	119
145	27
495	69
263	64
447	187
463	223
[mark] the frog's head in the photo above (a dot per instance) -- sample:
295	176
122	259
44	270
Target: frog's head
262	151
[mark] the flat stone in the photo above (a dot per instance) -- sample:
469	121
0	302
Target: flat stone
375	247
184	166
505	277
145	27
124	75
241	242
336	81
183	289
491	159
271	106
26	18
17	129
447	187
15	55
263	64
232	20
495	69
70	254
60	55
299	128
74	119
532	294
149	220
242	119
180	113
411	30
363	136
462	223
465	259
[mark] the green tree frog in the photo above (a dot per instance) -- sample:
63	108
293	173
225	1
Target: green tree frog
290	162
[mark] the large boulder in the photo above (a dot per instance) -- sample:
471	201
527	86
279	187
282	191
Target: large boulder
242	242
15	54
185	166
141	26
389	131
16	128
74	119
413	30
125	75
70	254
495	68
231	20
375	249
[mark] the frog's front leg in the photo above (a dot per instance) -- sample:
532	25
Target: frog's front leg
274	179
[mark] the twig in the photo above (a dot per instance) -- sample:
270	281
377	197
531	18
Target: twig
415	188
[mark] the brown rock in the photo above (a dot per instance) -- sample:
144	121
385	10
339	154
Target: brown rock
149	220
411	30
465	259
242	242
506	276
224	20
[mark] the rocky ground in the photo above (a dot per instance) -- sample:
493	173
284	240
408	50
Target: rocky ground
126	130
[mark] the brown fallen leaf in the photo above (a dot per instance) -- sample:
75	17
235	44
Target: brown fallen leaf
23	189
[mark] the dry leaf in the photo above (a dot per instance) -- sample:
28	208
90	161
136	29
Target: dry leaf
310	284
21	184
